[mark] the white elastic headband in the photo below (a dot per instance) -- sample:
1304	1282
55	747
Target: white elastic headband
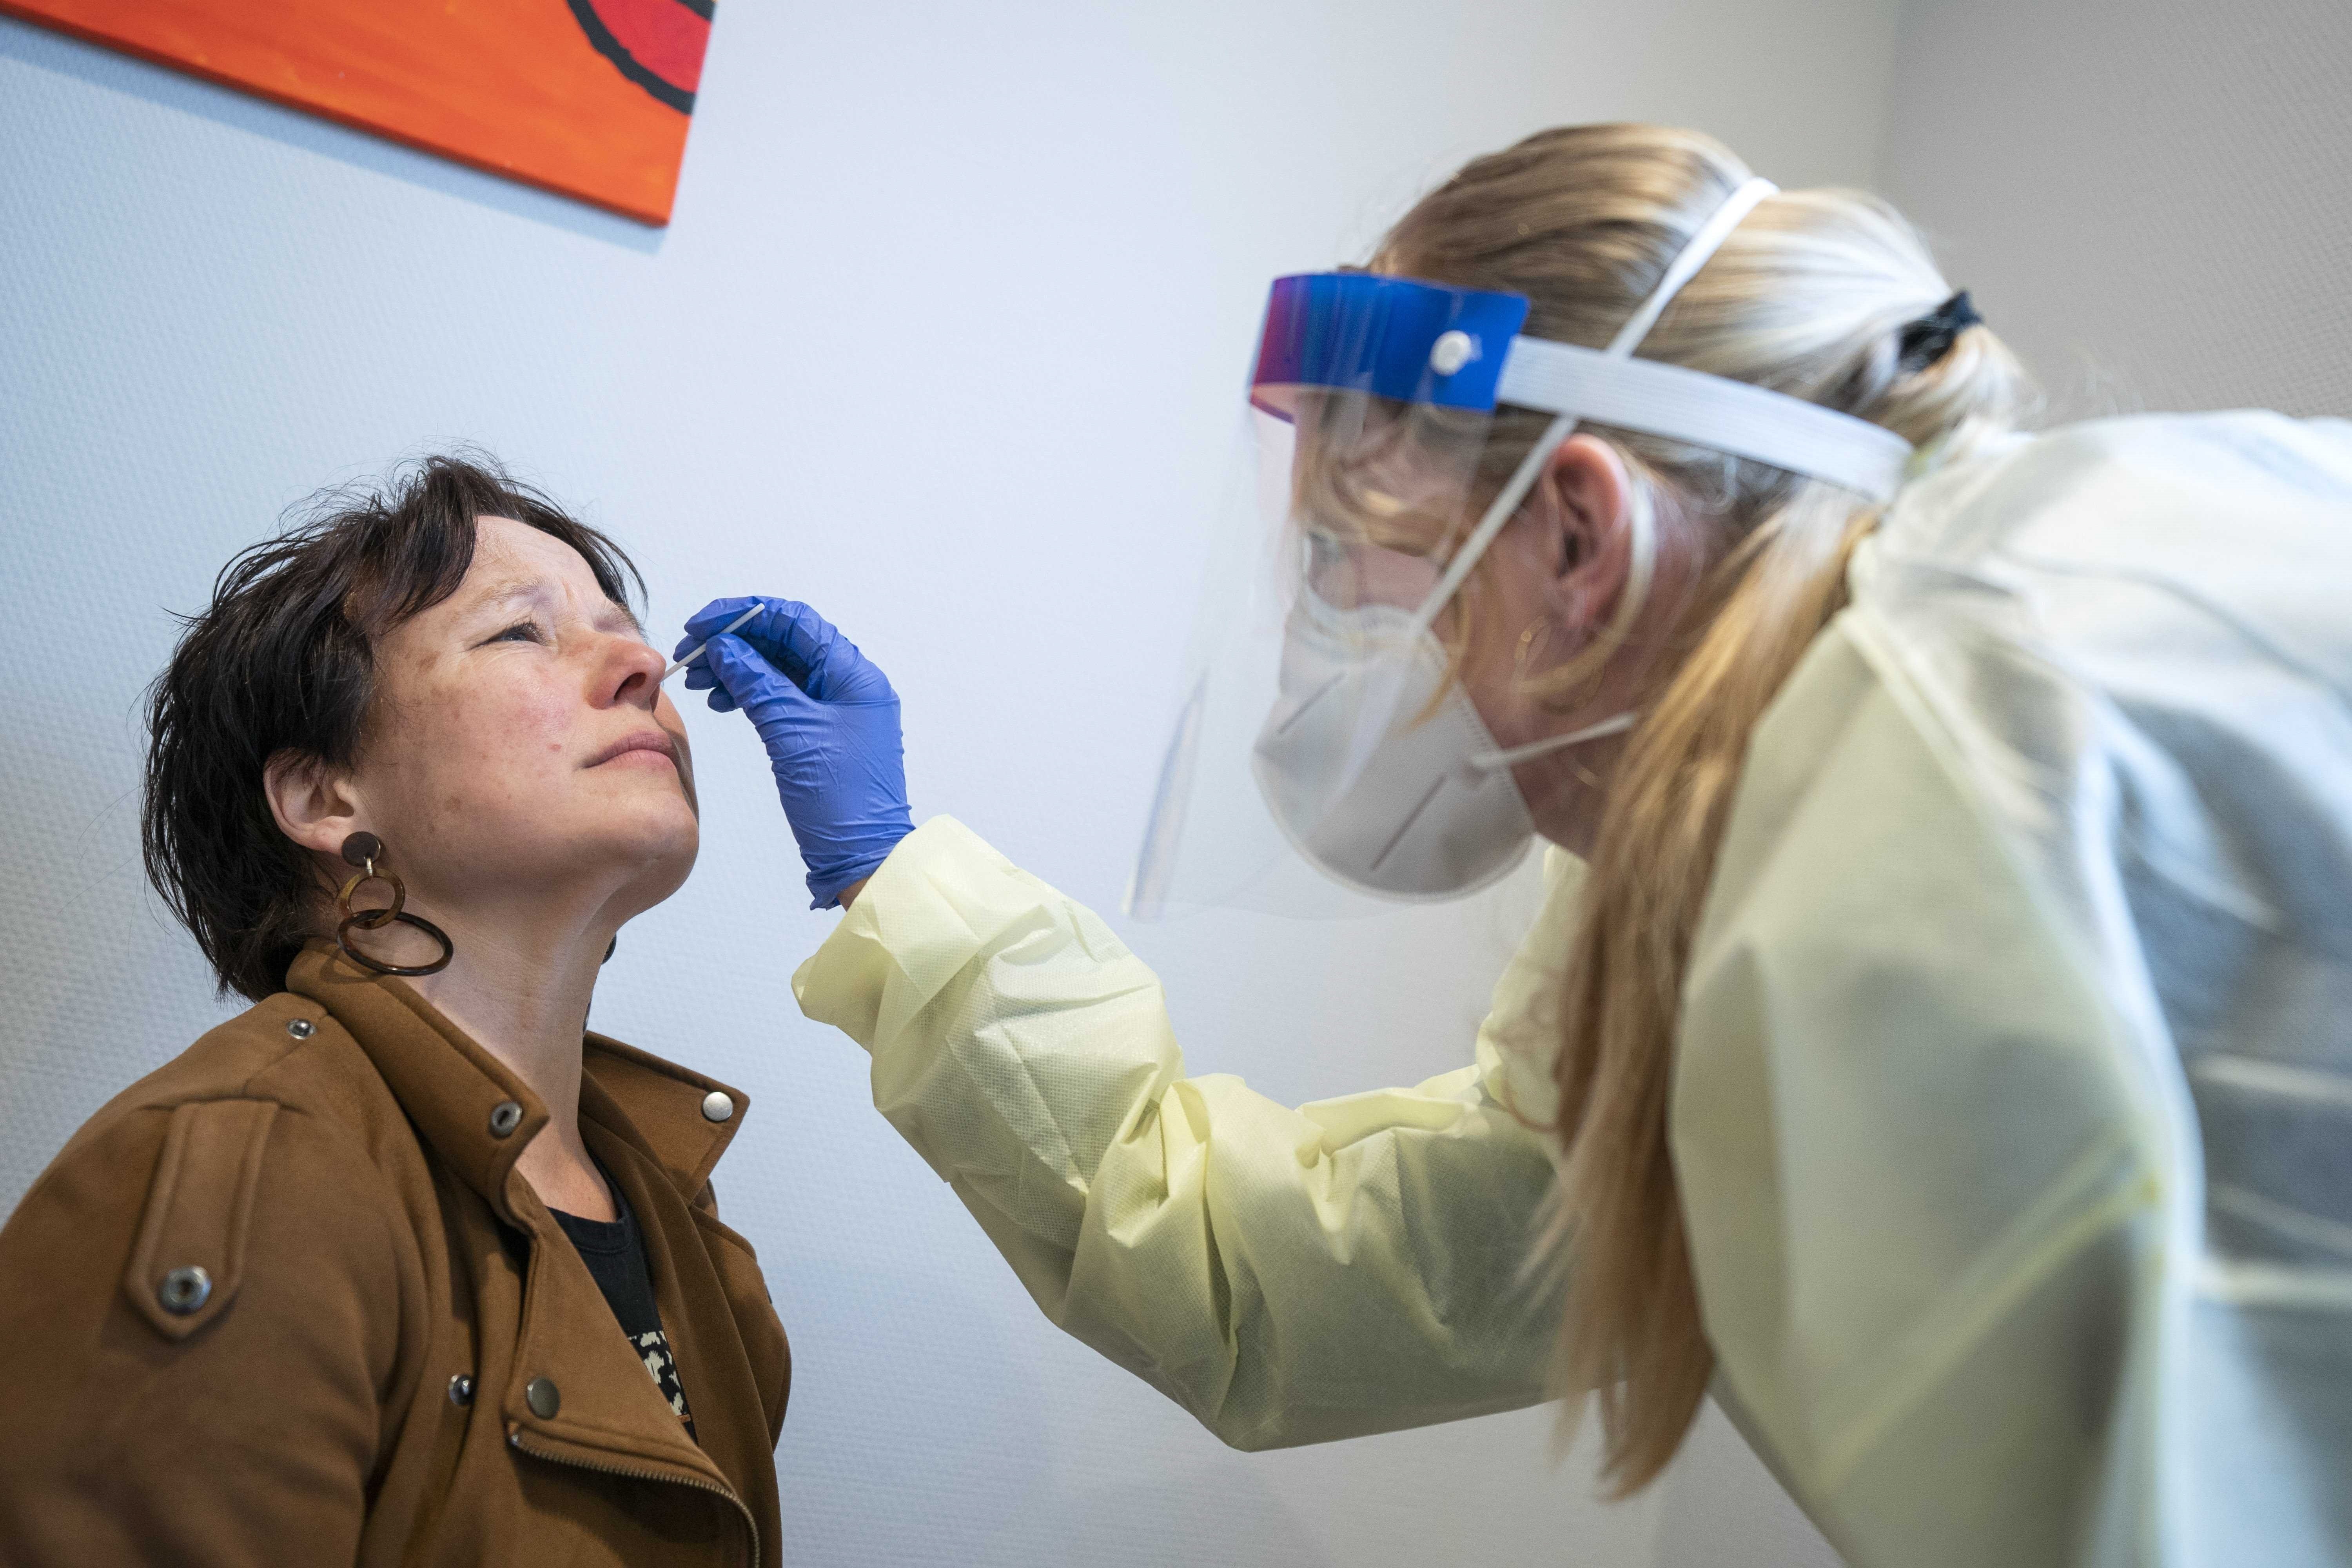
1684	404
1614	387
1686	265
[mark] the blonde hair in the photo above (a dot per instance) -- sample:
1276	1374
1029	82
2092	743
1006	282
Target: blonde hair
1809	296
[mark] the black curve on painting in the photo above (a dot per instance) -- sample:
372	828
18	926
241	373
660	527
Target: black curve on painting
677	97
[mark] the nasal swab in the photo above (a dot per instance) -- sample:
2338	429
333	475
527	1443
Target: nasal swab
695	651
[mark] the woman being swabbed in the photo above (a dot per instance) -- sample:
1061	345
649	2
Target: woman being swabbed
401	1265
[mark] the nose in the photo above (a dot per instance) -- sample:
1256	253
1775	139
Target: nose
630	675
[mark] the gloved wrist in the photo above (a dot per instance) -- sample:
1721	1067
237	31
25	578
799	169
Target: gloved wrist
826	880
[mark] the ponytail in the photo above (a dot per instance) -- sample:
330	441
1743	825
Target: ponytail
1634	1339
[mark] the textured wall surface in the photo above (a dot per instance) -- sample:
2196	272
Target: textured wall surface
2151	199
945	339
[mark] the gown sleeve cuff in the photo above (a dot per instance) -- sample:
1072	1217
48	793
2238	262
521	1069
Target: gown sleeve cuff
942	898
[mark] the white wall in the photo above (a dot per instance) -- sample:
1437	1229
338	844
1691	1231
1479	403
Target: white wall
2151	199
945	339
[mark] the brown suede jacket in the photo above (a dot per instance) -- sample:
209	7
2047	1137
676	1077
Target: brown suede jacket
286	1301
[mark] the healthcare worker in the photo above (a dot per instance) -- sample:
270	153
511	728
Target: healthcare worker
1942	1009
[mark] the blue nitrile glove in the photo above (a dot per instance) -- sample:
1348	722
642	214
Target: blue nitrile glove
830	722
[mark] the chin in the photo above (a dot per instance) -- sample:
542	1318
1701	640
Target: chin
661	844
638	873
676	851
640	851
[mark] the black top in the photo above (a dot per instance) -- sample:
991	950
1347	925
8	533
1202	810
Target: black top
614	1252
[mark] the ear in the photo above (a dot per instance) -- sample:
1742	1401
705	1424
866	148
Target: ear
1583	505
313	804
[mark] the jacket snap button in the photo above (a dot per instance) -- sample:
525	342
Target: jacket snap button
716	1106
185	1290
505	1117
542	1399
300	1028
461	1389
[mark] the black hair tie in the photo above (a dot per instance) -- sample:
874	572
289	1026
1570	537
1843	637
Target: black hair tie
1930	338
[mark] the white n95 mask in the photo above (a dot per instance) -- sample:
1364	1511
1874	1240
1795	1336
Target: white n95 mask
1378	768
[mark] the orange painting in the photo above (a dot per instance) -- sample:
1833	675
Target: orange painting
590	98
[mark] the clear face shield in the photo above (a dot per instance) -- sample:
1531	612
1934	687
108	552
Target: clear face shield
1368	410
1326	760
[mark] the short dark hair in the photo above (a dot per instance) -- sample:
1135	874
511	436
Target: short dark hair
282	660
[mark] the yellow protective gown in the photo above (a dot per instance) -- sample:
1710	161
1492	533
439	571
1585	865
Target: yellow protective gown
2014	1087
2013	1104
1353	1265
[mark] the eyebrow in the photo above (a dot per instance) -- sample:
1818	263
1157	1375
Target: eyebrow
515	590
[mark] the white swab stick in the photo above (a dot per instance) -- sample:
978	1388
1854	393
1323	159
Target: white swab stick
695	651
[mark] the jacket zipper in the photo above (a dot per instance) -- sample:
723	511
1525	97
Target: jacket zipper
515	1440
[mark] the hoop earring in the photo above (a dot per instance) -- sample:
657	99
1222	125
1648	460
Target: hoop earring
361	850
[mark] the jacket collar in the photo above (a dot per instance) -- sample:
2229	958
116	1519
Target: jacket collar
452	1088
663	1109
